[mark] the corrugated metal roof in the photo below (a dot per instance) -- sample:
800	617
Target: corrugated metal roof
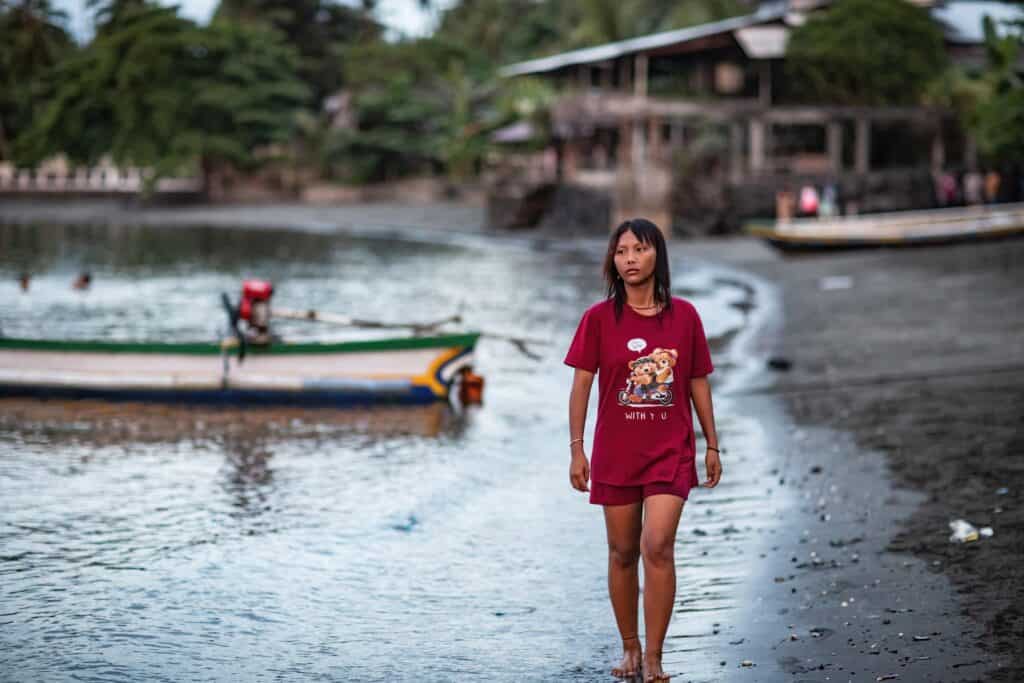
962	19
653	41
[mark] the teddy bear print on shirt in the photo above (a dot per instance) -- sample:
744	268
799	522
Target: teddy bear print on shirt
650	379
664	360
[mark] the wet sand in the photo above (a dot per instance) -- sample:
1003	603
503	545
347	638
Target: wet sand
906	395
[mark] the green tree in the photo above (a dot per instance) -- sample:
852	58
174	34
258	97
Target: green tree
32	41
120	95
244	100
107	14
990	100
503	31
154	90
592	22
318	30
512	30
866	52
423	106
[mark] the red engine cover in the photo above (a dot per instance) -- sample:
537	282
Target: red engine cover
254	291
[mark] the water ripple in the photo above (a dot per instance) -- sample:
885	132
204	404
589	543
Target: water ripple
167	543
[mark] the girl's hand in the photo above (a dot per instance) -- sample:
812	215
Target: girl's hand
714	469
579	470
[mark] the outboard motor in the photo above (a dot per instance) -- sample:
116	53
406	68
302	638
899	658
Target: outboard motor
254	309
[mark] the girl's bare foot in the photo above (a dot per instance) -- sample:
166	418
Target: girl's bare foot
652	667
631	656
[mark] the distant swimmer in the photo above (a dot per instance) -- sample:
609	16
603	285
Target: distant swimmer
83	280
24	280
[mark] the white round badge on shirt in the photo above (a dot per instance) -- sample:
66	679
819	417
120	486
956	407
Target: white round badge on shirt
636	344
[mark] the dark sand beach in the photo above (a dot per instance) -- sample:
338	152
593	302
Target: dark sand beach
907	395
901	411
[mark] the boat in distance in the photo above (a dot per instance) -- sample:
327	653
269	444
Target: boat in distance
901	228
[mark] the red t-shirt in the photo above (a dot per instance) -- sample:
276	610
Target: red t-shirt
643	364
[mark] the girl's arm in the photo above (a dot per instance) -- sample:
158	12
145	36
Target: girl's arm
579	469
700	392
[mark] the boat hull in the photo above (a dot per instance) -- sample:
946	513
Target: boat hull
902	229
415	370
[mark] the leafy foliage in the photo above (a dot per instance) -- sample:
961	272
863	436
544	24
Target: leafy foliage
318	30
32	42
590	22
866	52
119	95
997	120
503	31
154	90
992	101
421	106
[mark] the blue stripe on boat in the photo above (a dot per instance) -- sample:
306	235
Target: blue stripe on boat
415	395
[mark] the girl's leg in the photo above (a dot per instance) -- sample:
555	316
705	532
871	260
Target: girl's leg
624	524
657	546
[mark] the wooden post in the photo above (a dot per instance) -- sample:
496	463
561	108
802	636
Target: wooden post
971	154
639	151
938	149
736	151
625	72
654	144
863	154
624	155
678	136
764	84
640	76
757	145
570	160
834	145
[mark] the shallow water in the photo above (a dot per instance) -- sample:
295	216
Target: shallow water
156	543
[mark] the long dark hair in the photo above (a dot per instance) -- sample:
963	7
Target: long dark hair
648	233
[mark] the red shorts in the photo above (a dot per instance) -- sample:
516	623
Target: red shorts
607	494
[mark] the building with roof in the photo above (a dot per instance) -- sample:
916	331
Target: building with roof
628	109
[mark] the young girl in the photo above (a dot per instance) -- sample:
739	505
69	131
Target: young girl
651	357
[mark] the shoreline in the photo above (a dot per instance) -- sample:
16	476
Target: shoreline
898	415
904	397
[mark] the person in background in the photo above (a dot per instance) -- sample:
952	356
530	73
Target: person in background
973	188
809	200
785	202
24	280
949	192
992	183
829	201
83	281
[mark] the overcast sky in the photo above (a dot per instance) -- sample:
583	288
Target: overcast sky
404	16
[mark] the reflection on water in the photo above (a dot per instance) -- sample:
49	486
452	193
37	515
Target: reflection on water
101	423
171	543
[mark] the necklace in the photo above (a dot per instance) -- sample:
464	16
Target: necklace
643	308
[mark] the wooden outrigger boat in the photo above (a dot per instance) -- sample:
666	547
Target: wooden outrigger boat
904	228
414	370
